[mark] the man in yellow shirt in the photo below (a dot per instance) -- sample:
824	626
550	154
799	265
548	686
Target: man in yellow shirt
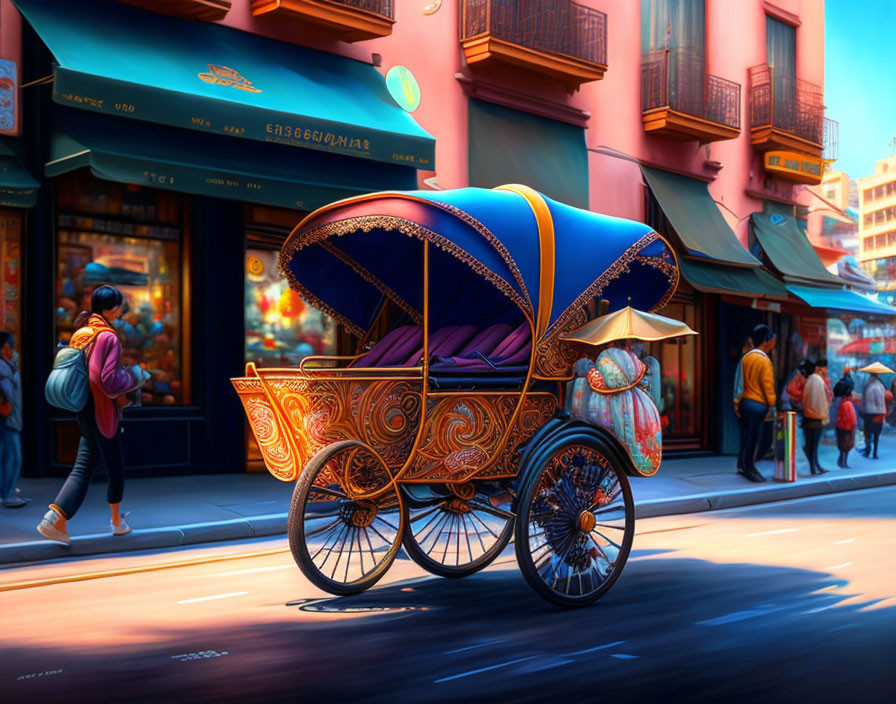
757	396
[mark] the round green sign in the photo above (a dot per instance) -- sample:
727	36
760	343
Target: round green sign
403	87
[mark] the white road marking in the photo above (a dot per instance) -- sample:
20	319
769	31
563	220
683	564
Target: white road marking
595	649
843	542
772	532
472	647
211	598
837	567
253	570
483	669
737	616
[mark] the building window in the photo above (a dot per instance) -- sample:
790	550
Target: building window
878	192
281	329
11	291
868	196
830	194
869	220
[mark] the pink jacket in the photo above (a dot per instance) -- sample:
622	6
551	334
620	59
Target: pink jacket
108	379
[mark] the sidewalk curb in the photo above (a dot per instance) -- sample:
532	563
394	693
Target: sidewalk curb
275	523
771	493
149	539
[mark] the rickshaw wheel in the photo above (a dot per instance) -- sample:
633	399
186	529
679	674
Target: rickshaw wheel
344	546
458	535
576	523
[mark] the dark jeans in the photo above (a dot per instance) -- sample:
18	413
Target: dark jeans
813	430
93	449
752	415
872	434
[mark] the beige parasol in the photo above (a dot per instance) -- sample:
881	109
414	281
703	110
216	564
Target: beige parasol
625	324
877	368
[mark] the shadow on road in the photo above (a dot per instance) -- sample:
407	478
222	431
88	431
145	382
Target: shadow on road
671	629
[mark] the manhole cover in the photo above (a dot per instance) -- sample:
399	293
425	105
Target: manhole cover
331	607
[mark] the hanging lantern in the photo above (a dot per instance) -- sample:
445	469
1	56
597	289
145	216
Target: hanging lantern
290	304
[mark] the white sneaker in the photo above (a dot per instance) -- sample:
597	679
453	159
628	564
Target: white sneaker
122	528
47	528
14	502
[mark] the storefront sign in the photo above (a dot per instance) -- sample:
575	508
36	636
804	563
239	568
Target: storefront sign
9	96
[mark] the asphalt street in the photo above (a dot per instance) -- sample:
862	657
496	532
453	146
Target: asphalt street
791	601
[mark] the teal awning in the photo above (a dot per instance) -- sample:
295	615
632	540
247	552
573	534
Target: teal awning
18	188
121	60
212	165
753	282
840	299
511	146
696	218
790	251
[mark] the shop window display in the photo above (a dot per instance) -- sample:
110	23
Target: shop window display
144	262
10	294
281	329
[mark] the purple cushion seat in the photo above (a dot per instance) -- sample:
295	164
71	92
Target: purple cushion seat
485	341
515	348
443	342
394	347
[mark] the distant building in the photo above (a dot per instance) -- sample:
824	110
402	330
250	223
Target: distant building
877	223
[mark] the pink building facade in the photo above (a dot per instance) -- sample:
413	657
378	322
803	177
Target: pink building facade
695	116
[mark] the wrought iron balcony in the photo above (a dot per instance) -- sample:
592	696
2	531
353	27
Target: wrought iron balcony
785	114
558	38
208	10
680	101
348	20
830	140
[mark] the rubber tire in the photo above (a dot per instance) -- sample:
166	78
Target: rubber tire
415	552
296	528
521	533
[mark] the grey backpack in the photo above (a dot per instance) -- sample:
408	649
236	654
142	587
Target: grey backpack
69	382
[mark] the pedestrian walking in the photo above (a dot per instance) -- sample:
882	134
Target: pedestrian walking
816	415
756	397
10	423
847	419
100	418
874	406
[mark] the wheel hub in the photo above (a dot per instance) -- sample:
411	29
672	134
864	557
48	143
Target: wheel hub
360	514
586	522
456	505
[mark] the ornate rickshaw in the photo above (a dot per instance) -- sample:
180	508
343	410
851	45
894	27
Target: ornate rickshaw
446	432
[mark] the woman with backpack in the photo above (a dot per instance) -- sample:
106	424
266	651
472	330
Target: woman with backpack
99	420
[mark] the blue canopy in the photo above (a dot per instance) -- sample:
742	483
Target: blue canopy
840	299
125	61
497	256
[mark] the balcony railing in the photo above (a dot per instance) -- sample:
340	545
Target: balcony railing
678	82
554	26
384	8
788	105
348	20
831	140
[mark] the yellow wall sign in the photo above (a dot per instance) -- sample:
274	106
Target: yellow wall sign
403	87
254	266
223	76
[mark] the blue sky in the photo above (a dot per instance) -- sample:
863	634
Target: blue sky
860	80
